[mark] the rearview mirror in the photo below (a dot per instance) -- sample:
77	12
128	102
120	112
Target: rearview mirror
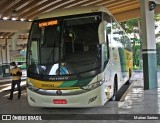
102	32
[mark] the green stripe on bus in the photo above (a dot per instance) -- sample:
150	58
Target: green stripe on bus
122	61
68	83
83	82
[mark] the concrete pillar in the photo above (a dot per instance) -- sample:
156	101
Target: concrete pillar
8	52
5	59
1	55
1	72
148	46
4	54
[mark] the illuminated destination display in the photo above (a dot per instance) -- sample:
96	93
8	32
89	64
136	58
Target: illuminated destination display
48	23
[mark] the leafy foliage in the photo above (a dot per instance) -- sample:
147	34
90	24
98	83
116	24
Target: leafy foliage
130	26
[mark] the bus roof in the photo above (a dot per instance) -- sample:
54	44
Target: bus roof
72	11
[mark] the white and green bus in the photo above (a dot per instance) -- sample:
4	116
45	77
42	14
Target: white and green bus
77	57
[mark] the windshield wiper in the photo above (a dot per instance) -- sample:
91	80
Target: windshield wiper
50	57
75	72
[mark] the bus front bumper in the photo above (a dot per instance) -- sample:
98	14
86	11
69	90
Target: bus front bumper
93	98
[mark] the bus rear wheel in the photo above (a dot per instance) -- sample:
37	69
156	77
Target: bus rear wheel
129	77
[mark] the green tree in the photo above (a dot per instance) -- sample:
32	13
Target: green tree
132	26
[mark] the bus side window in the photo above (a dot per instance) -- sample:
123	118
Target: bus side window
34	52
104	55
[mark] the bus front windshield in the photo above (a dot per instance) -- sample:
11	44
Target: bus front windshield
64	46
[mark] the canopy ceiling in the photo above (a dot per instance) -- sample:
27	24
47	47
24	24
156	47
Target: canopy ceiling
26	10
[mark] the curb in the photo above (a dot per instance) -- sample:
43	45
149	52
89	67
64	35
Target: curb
126	92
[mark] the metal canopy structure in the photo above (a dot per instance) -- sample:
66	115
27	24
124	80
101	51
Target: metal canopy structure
26	10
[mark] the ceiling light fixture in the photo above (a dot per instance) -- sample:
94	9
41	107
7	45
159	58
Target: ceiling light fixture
13	18
22	19
5	18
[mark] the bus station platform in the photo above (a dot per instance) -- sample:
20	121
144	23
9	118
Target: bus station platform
135	103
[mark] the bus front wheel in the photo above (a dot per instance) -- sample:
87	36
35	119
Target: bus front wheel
114	97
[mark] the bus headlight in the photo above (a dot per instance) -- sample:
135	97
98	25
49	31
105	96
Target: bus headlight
31	86
93	85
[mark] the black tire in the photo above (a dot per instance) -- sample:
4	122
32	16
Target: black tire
128	81
114	97
130	74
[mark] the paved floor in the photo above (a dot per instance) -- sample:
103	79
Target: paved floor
136	101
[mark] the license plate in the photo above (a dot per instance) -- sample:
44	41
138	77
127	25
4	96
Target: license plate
60	101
